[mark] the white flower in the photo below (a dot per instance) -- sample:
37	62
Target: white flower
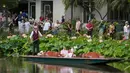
88	37
24	35
73	37
49	36
100	41
89	40
75	47
13	35
9	37
40	53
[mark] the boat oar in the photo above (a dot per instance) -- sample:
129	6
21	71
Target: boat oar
34	41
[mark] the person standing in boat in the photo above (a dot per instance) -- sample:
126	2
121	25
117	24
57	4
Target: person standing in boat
35	37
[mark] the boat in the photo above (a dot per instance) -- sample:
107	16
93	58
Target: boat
70	61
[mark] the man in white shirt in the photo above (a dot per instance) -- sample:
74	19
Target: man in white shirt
46	26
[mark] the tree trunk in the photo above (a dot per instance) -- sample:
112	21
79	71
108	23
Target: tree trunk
71	11
84	15
94	9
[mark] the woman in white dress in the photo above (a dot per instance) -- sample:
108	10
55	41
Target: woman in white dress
126	30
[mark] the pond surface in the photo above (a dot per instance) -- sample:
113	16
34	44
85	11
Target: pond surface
16	65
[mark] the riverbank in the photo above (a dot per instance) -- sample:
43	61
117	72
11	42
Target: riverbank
20	45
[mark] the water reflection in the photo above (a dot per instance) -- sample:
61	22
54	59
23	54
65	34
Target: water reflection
21	66
65	69
62	69
35	69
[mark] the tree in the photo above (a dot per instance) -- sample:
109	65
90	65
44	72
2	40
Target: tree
9	3
68	3
100	3
116	6
71	3
76	3
121	5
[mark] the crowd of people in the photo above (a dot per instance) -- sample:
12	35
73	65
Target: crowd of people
110	30
44	24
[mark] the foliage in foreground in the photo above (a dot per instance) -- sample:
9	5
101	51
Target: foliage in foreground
14	46
18	45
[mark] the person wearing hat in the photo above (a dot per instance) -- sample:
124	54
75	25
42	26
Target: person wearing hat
35	37
126	30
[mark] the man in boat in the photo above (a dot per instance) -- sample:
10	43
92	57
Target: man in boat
35	37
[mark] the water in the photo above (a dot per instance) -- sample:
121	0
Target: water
16	65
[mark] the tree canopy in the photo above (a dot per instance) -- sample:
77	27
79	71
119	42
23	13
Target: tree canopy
67	3
114	4
9	3
121	5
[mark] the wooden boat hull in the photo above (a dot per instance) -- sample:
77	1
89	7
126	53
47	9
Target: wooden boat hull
71	61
